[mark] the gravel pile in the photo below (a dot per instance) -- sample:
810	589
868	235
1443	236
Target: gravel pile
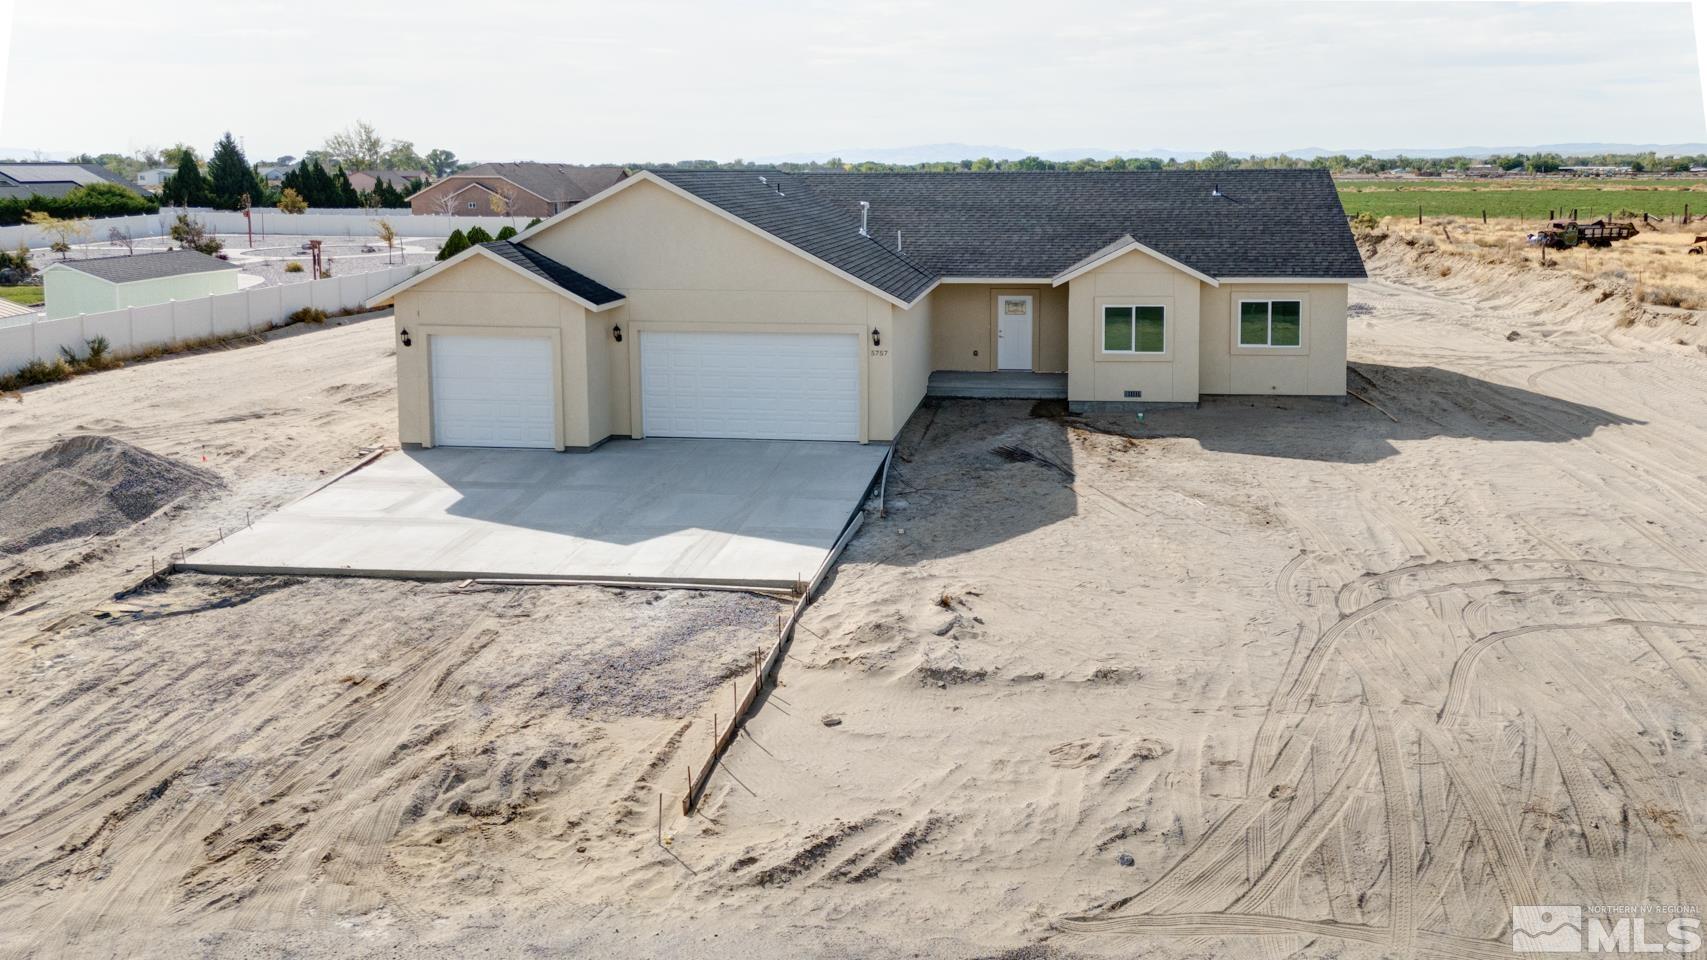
89	485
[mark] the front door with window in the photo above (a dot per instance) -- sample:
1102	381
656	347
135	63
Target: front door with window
1013	333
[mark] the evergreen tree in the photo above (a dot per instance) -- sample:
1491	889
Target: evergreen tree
506	233
187	187
532	223
230	177
346	193
477	234
454	244
325	191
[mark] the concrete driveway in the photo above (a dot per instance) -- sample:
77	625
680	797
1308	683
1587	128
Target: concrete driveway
744	512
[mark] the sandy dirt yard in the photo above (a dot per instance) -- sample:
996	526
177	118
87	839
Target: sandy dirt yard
1267	678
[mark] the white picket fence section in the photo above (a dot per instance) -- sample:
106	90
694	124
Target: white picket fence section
271	223
227	314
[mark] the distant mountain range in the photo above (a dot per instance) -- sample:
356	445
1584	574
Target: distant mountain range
949	152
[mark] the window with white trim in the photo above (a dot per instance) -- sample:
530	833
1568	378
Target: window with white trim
1271	323
1134	328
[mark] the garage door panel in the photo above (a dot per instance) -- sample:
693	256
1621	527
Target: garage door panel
774	386
493	392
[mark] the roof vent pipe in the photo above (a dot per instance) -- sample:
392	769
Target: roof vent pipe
864	213
1216	192
897	241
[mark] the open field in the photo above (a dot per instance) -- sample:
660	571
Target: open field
1504	198
1262	679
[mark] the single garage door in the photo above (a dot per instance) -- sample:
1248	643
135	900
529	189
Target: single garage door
759	386
493	392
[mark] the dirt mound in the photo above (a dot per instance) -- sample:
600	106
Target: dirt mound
88	485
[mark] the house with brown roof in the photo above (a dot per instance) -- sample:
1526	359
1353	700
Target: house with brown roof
514	189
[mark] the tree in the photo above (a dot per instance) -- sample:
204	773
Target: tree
385	231
440	162
453	245
230	177
173	155
401	155
477	234
186	187
64	231
193	235
346	192
505	233
291	202
503	200
532	223
358	145
121	238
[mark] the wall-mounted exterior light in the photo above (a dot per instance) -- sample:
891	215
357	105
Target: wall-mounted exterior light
876	337
616	331
405	335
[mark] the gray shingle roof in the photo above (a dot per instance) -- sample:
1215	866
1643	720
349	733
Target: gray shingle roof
800	218
546	268
147	266
1264	223
558	182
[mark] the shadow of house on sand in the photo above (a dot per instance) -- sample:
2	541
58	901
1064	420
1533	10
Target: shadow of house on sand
1428	402
956	487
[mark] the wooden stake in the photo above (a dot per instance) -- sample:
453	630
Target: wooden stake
661	816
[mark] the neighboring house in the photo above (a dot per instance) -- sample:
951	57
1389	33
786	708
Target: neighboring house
529	189
154	179
100	284
50	179
754	305
272	172
365	180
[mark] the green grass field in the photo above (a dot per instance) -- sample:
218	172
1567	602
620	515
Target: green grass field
1619	198
26	295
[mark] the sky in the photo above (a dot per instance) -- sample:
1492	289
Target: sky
659	80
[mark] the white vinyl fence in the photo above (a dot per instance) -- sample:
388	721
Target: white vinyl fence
269	222
227	314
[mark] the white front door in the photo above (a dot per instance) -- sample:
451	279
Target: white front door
756	386
493	392
1013	333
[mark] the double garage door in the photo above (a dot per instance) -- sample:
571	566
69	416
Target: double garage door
501	391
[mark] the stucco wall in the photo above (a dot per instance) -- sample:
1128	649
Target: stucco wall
481	298
1139	279
682	267
908	337
963	336
1315	368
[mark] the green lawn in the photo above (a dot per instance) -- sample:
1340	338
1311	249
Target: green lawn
26	295
1619	198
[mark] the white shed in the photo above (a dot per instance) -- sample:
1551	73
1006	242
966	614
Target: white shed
100	284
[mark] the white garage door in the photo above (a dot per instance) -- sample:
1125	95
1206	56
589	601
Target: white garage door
493	392
762	386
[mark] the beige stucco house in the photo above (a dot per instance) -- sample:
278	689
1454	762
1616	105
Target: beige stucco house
821	306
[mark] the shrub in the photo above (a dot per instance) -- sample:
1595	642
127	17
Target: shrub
532	223
1365	221
37	371
308	315
505	233
453	245
193	235
291	266
478	235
